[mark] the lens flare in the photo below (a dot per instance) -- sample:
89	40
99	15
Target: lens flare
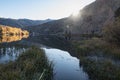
75	13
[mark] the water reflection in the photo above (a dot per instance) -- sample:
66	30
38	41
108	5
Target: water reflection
50	41
10	53
9	48
66	67
12	38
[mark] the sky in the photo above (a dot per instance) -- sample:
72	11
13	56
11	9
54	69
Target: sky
40	9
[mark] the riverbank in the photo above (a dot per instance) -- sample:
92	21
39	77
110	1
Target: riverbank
29	66
100	59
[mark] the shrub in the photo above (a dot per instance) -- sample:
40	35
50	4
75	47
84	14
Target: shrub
112	32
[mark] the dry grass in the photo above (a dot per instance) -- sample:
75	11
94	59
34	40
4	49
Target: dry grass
28	66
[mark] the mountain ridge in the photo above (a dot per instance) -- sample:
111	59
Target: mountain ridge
22	22
91	18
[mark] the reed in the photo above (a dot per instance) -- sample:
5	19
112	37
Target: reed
29	66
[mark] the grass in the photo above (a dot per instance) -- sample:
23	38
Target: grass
101	70
29	66
97	46
98	68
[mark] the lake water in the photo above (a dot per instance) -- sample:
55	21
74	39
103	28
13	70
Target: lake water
10	54
58	50
66	67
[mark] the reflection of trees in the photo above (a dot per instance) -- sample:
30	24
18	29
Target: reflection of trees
10	34
10	53
5	38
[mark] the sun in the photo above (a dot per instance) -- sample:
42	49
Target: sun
75	12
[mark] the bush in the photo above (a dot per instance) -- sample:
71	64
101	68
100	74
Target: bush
101	70
112	32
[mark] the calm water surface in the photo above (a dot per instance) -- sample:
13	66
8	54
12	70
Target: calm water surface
66	67
10	54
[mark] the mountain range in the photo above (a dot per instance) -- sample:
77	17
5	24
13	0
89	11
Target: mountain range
22	22
92	18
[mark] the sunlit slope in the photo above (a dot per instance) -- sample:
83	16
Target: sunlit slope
7	30
10	34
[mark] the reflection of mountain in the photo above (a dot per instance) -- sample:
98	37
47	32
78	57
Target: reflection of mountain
49	41
5	38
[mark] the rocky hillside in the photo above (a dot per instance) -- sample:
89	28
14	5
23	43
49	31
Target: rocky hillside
95	16
91	18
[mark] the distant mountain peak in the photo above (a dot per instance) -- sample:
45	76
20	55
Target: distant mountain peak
22	22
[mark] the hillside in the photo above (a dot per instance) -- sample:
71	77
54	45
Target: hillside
91	19
95	16
8	30
21	22
53	27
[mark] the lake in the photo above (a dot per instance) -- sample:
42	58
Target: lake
58	51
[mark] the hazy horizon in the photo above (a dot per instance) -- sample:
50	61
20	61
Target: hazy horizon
40	10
